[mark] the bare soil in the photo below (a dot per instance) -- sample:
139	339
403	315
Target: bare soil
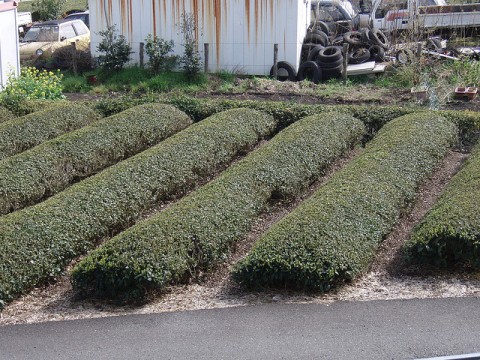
388	277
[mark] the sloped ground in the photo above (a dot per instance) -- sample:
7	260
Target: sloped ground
388	277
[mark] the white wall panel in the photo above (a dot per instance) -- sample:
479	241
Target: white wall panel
9	57
241	33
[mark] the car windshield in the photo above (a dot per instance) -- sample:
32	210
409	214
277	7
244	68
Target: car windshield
41	34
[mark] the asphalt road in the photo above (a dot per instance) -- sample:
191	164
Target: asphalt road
405	329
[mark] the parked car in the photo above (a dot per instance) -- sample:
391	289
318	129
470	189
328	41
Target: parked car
48	44
84	16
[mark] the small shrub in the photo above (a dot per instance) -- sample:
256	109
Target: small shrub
191	59
21	94
158	51
33	84
198	231
115	50
332	237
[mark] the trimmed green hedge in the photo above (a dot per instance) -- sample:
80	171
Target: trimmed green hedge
38	241
32	175
5	114
450	232
286	113
333	235
198	231
22	107
23	133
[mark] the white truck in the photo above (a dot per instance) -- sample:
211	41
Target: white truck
430	15
24	20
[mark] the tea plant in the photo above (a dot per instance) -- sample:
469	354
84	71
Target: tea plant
158	51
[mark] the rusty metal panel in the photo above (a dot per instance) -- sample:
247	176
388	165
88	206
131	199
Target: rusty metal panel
241	33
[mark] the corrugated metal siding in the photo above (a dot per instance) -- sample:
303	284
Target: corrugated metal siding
241	33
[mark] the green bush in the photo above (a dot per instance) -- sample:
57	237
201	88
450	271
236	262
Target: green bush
114	49
5	114
28	177
37	242
450	232
286	113
198	231
158	51
34	84
24	107
23	133
333	236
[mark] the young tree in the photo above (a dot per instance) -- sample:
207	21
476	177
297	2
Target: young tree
48	9
115	50
191	57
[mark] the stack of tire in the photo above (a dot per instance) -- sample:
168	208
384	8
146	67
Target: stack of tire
366	45
320	60
322	55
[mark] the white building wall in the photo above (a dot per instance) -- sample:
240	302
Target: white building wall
241	33
9	57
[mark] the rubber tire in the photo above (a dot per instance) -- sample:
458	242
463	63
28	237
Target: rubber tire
312	55
322	26
377	37
353	38
365	36
434	44
377	53
359	56
329	54
332	73
312	66
338	41
285	65
316	38
330	65
404	56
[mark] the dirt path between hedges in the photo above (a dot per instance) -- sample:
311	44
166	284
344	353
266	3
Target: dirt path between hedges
388	277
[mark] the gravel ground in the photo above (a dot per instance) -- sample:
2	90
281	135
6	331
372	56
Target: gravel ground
388	277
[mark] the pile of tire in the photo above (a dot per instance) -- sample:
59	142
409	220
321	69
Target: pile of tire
322	52
366	45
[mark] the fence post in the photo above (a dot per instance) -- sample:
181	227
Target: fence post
345	62
206	48
141	53
74	58
275	61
